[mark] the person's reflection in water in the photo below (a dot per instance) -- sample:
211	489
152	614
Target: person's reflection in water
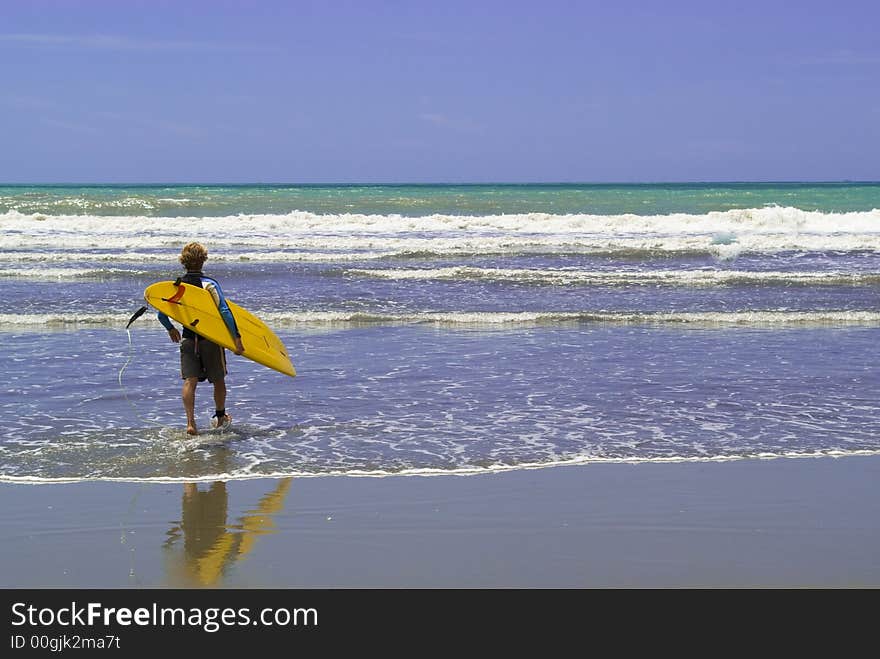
210	544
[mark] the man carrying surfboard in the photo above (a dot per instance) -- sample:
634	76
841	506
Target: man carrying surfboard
201	359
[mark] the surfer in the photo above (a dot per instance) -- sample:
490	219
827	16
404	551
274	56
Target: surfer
201	359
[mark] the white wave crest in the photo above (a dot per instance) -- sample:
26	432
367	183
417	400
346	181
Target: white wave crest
618	278
55	274
341	319
166	257
724	233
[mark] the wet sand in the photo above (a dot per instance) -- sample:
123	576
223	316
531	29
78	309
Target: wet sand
753	523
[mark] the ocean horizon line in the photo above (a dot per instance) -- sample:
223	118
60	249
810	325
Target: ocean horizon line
341	184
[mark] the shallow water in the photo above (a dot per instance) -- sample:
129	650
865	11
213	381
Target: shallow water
415	399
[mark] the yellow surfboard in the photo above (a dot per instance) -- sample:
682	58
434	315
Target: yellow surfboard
194	308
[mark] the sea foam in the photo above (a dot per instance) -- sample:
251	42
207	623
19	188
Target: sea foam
759	230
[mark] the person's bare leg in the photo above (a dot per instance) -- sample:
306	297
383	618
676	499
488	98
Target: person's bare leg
189	404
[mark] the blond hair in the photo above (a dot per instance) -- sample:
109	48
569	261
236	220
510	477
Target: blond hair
193	256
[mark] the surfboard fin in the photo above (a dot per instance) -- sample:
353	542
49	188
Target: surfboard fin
137	314
175	299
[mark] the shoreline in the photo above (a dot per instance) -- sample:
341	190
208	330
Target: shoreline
435	473
762	523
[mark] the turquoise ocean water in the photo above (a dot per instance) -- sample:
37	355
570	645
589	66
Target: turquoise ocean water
415	200
445	329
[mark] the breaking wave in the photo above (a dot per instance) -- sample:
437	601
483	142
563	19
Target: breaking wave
302	234
621	278
341	319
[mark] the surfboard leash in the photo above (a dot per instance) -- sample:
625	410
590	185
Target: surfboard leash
137	314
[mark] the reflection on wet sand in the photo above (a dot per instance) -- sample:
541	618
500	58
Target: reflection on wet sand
211	545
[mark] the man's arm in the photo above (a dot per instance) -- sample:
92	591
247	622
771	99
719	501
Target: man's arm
167	324
225	312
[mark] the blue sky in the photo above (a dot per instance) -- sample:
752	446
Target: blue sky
442	91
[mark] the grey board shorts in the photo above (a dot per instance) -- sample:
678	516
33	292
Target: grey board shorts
202	359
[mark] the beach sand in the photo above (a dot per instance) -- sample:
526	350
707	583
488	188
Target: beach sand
810	522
